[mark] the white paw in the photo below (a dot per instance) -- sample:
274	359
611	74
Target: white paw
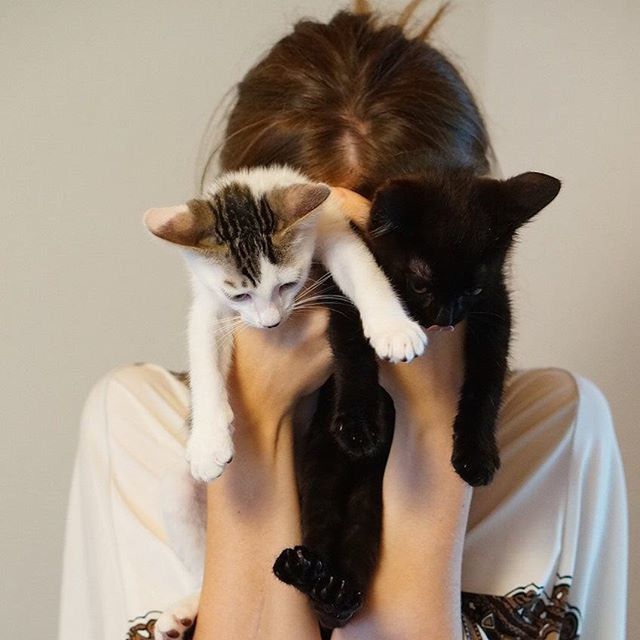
397	339
208	455
173	624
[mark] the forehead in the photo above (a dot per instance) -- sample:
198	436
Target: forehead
453	239
238	213
452	225
245	225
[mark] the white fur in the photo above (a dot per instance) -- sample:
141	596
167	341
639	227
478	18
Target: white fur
211	323
174	618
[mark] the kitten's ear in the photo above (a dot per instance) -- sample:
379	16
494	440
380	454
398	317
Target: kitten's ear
298	203
393	204
518	199
186	224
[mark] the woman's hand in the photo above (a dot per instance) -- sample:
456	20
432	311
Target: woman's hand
428	388
273	368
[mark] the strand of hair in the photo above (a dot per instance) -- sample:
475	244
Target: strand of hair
425	32
407	13
361	7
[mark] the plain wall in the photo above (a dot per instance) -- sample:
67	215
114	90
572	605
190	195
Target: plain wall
102	110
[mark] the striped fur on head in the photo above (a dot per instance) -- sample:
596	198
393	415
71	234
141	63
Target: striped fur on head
245	226
257	214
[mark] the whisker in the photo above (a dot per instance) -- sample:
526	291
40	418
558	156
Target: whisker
325	296
323	301
319	306
225	330
381	230
315	284
332	305
487	313
229	320
233	331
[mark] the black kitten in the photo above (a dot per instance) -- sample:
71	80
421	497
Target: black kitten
442	238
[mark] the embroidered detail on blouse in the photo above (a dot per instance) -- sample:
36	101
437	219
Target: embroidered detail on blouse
526	612
142	627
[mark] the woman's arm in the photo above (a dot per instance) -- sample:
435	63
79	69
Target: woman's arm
416	591
253	507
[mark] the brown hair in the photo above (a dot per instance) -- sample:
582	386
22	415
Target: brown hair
354	102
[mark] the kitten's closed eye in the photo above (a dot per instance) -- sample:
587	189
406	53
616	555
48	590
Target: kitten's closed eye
288	285
240	297
473	292
417	283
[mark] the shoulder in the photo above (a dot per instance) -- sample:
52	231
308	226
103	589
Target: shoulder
139	378
541	386
557	396
134	394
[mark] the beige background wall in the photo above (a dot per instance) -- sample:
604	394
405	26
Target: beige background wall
102	109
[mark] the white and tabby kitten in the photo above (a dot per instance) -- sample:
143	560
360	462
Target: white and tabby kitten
249	245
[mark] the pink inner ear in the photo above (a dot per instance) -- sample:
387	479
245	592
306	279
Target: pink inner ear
155	219
300	199
175	224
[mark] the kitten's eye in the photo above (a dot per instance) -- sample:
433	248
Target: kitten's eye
241	297
473	292
288	285
417	284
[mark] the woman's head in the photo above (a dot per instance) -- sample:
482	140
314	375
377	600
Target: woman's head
353	102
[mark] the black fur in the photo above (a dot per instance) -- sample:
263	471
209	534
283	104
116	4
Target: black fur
442	237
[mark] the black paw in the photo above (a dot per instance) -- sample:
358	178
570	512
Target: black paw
474	466
334	599
357	433
299	567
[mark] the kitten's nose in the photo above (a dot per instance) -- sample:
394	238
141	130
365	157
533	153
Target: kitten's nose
446	316
270	317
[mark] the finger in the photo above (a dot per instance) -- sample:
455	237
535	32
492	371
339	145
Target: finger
353	205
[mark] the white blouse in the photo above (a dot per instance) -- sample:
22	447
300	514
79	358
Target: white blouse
545	552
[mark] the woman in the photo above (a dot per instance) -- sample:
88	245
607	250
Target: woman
352	103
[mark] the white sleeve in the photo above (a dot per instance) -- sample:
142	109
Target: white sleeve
117	566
